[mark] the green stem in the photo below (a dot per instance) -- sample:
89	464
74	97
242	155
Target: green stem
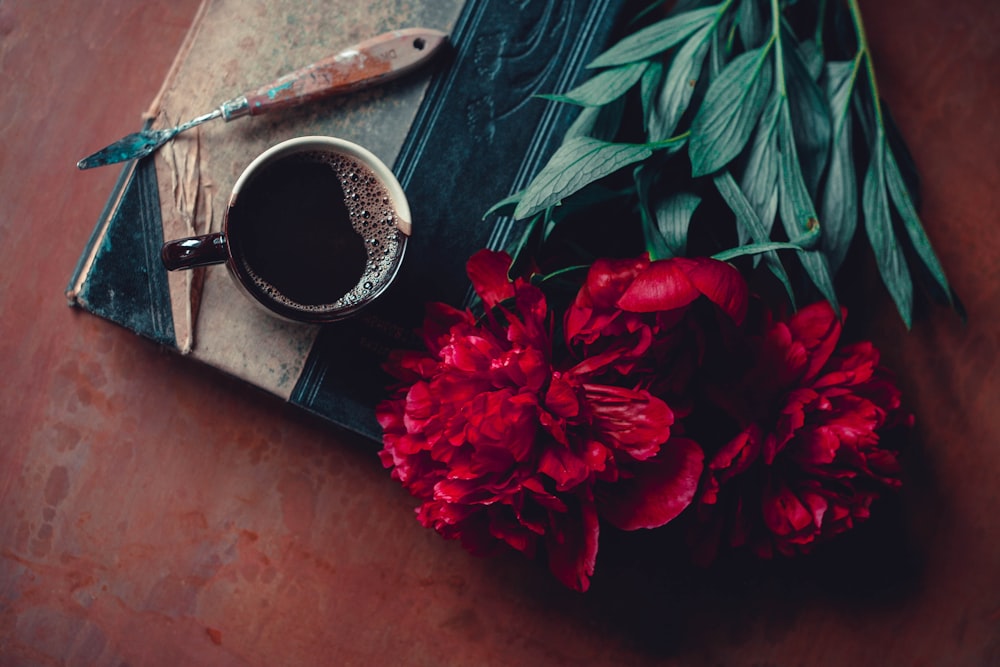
859	30
715	24
667	143
820	23
562	272
779	55
755	249
648	10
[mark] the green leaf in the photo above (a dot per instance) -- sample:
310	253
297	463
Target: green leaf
895	144
559	274
865	113
754	249
652	8
753	29
522	250
656	245
678	87
811	55
673	218
740	206
729	112
839	202
657	38
796	209
604	87
672	145
505	206
718	51
911	223
878	225
578	162
648	87
588	197
760	177
598	122
747	217
810	116
839	81
583	125
686	5
818	270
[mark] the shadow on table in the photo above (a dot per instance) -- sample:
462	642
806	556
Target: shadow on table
649	592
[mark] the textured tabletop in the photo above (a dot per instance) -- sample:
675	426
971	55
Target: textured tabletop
157	512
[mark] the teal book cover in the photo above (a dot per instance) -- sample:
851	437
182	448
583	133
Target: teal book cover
461	134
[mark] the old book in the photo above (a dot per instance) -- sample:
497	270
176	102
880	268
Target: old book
461	134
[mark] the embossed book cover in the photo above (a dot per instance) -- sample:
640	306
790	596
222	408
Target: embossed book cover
460	134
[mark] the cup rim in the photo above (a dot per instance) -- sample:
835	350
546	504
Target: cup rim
320	143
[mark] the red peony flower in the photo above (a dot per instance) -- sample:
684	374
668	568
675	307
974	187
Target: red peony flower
636	303
503	443
640	321
647	320
808	460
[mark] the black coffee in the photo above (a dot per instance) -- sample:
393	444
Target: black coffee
315	231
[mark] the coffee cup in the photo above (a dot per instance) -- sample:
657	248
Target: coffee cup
315	229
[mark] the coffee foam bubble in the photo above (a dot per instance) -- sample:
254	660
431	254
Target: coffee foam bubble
371	215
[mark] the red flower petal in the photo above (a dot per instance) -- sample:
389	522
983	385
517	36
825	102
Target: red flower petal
852	365
818	328
634	421
608	279
625	354
733	459
786	513
532	306
420	402
488	271
594	309
513	532
661	489
561	399
722	284
572	545
564	467
816	450
663	285
438	322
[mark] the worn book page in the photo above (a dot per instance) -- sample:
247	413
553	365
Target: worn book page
235	46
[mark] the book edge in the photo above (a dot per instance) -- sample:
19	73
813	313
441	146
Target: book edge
81	272
182	54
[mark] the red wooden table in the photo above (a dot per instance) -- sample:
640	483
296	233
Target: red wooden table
154	512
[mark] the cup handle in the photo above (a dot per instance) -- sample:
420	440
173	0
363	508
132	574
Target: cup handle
194	251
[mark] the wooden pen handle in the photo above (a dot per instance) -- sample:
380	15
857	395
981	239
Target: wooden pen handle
369	63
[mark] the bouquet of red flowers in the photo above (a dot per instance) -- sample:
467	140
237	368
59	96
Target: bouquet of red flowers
517	428
630	374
